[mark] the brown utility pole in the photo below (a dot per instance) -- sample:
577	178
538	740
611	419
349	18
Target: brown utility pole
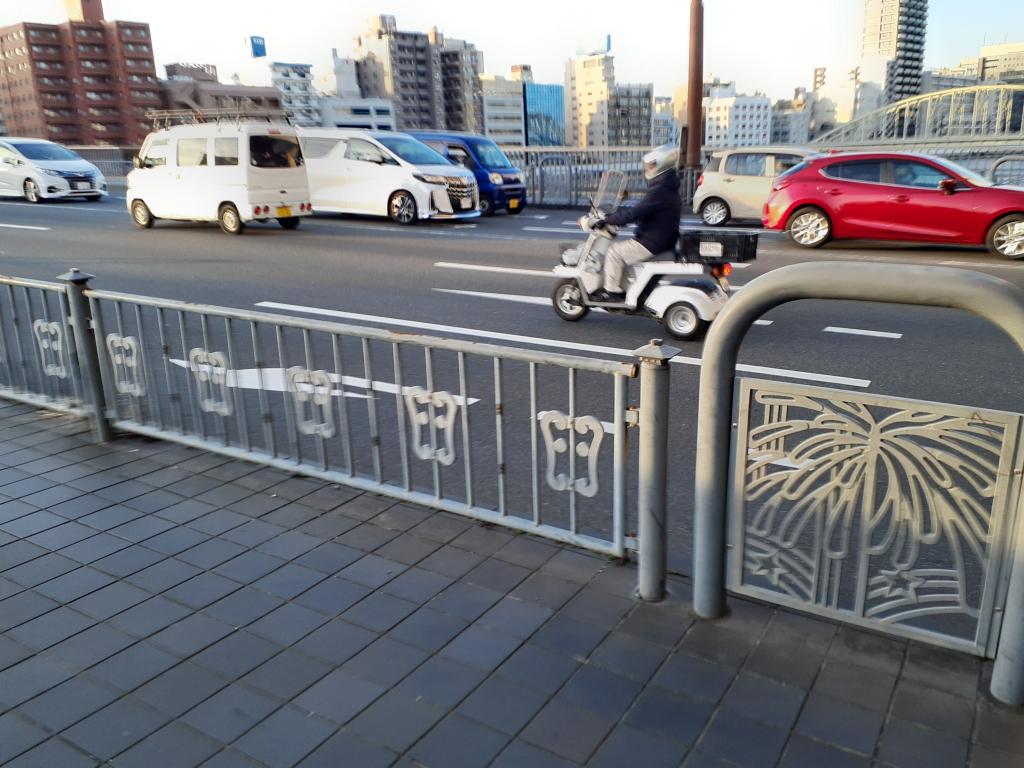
695	87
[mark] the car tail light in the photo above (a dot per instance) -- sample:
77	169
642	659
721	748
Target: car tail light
700	179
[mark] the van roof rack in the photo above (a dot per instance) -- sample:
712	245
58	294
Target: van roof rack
165	118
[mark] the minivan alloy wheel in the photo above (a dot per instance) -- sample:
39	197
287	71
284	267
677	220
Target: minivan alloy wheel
31	190
402	208
809	228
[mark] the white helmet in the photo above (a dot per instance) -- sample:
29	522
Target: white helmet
659	160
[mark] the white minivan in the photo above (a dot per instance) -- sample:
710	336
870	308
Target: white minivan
39	170
383	173
231	172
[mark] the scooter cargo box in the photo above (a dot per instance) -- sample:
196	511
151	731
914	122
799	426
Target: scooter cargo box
710	246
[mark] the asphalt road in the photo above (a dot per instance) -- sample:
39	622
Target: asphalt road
489	281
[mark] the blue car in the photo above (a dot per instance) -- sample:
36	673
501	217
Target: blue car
501	183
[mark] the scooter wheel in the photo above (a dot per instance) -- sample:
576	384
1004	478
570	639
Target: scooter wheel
568	302
682	321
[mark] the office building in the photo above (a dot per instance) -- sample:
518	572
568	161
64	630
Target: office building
503	115
630	115
522	72
299	99
346	107
461	65
892	50
736	120
3	125
545	114
85	81
664	129
589	80
945	78
791	118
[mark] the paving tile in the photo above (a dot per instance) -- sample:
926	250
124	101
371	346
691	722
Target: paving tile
129	489
983	757
735	738
806	753
344	749
53	752
840	723
547	591
177	690
75	509
110	517
497	575
284	738
133	666
32	524
17	735
23	607
458	743
908	745
786	662
62	536
287	624
678	718
502	705
367	537
396	721
764	700
868	649
442	527
50	628
199	591
515	617
465	601
365	506
11	652
173	746
13	510
569	637
539	669
417	585
18	552
662	623
230	712
333	596
286	675
186	511
74	584
252	533
629	656
128	561
401	517
68	703
28	678
441	681
717	642
336	642
568	731
519	754
949	671
177	540
600	691
372	571
862	686
95	547
527	551
141	528
427	629
166	574
249	567
480	647
287	581
385	661
379	612
236	654
110	600
215	522
484	540
591	606
408	549
931	707
191	634
694	676
289	545
339	697
115	728
242	607
625	744
329	558
451	561
998	727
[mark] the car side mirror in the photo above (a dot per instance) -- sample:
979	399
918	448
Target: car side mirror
948	186
13	161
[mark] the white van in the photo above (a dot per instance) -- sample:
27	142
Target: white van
231	172
383	173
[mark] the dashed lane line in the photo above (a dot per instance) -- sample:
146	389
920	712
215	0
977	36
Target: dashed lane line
862	332
25	226
488	268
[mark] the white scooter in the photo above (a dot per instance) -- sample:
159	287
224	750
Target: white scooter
685	296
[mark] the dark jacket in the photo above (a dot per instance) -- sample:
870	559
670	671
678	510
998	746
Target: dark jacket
656	216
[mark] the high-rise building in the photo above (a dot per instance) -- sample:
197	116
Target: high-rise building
346	107
664	130
1003	63
433	81
522	73
589	80
736	120
630	115
892	48
791	118
196	87
299	99
545	114
86	81
3	125
503	115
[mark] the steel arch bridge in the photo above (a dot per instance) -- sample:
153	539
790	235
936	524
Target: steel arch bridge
975	117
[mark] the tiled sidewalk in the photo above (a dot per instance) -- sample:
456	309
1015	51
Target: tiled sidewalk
160	606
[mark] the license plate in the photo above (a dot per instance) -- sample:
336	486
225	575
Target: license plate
466	203
284	210
711	250
83	185
513	203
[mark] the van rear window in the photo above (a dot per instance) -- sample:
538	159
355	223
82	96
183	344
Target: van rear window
275	152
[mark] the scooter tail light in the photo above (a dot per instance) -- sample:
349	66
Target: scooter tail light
700	179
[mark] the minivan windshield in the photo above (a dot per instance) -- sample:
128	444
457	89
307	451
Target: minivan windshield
490	154
413	151
275	152
44	150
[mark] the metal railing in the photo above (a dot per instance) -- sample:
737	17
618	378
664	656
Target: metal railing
533	441
112	161
1008	170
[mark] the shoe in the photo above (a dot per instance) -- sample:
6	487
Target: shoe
604	297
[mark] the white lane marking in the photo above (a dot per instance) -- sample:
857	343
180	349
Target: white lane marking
551	229
539	216
539	300
74	207
495	335
977	265
465	226
25	226
862	332
486	268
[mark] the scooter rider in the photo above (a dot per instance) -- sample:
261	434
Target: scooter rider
656	217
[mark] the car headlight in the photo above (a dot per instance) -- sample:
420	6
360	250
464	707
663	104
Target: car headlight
428	179
51	172
496	179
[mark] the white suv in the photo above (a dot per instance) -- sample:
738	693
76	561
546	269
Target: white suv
736	182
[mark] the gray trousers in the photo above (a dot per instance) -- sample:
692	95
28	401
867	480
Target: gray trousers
621	254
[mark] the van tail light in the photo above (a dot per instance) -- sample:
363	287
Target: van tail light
700	179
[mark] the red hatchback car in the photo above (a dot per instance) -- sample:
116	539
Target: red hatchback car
895	196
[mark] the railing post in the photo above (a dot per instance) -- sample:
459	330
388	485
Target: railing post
653	471
85	345
1008	672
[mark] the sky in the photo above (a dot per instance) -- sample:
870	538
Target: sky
771	46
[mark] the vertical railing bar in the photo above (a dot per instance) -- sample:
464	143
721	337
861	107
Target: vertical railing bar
499	436
343	406
464	408
197	415
371	410
238	392
403	444
172	391
43	389
321	447
428	361
6	348
18	326
573	524
106	379
289	417
619	468
204	325
534	474
156	405
266	417
74	365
